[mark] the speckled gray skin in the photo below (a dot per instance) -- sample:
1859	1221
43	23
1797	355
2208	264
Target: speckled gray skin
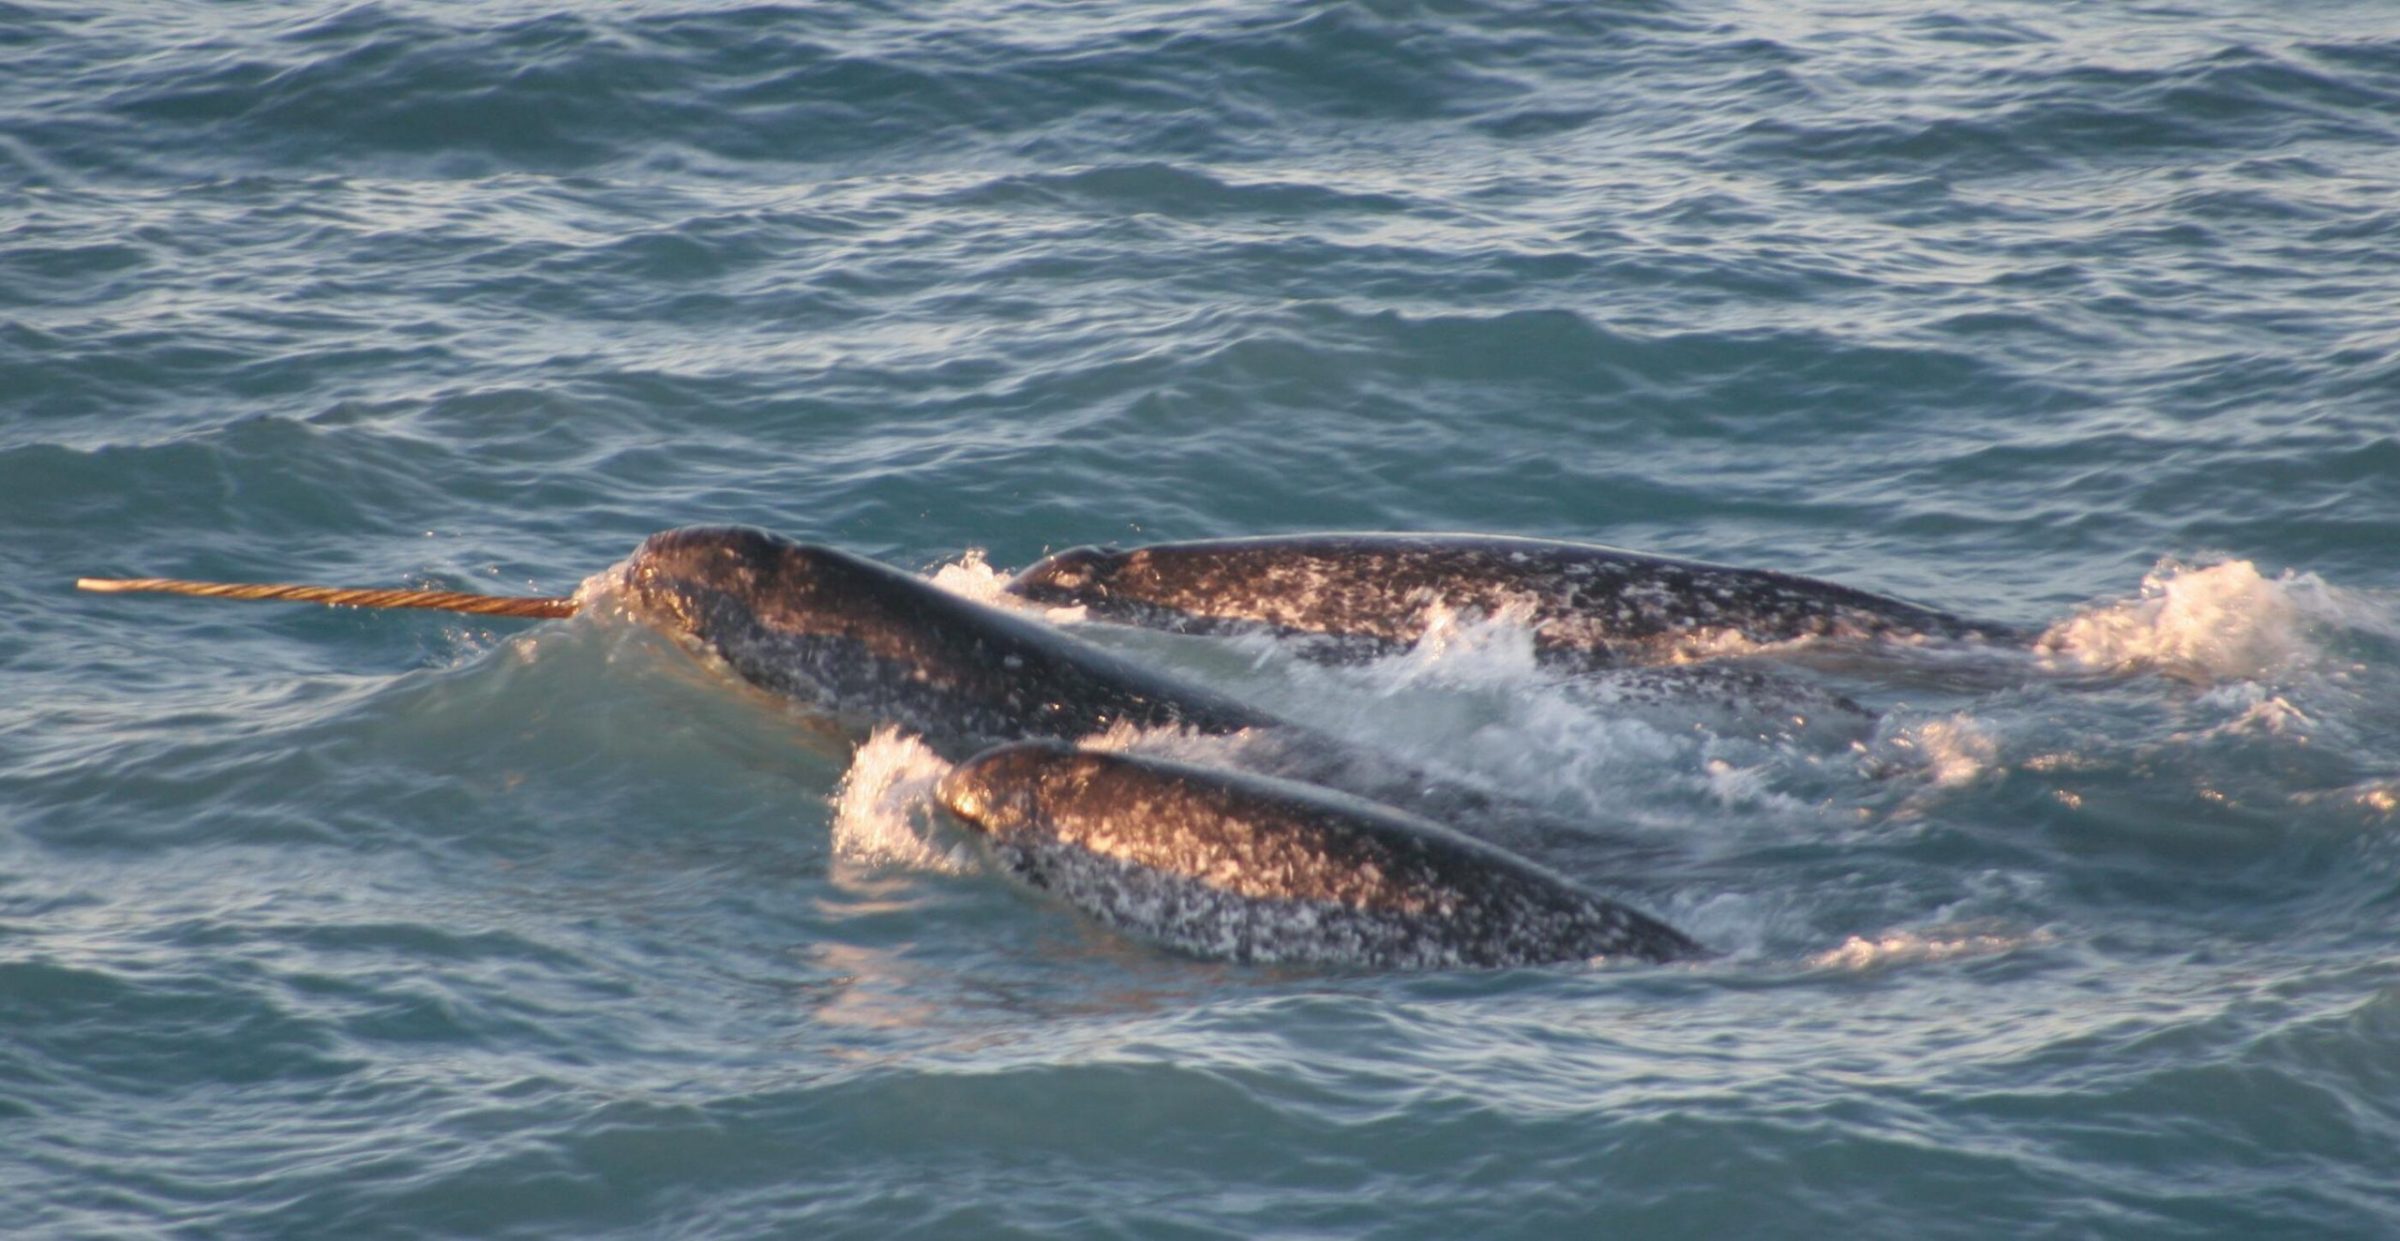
1585	603
865	644
859	644
1242	868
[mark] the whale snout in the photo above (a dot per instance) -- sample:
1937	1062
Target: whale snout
710	553
697	580
720	579
964	793
1067	573
995	790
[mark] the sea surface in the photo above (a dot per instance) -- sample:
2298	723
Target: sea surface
333	923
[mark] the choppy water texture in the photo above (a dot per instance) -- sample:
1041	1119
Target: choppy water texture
324	923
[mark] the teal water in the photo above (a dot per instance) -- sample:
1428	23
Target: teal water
326	923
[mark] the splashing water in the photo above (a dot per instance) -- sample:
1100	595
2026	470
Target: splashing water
1949	751
1468	647
2203	622
972	577
1919	947
884	812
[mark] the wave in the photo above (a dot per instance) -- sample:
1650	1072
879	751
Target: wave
2217	621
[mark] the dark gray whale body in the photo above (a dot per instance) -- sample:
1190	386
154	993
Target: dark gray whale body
1585	603
863	644
1244	868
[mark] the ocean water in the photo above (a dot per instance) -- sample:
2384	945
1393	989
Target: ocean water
318	922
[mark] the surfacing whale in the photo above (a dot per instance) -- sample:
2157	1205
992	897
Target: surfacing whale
1244	868
860	644
1585	604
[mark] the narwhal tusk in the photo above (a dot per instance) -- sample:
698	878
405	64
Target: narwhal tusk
438	600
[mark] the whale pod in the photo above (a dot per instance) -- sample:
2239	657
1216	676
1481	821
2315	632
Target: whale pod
1246	868
860	644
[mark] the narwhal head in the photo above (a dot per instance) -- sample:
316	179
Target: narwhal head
1078	575
998	792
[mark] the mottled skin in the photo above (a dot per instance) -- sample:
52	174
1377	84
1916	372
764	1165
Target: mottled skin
1245	868
866	644
859	644
1585	603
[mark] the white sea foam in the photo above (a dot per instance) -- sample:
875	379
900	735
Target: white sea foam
1472	705
602	592
971	577
2251	709
1737	786
1950	750
1176	744
2220	621
884	813
1468	646
1917	947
